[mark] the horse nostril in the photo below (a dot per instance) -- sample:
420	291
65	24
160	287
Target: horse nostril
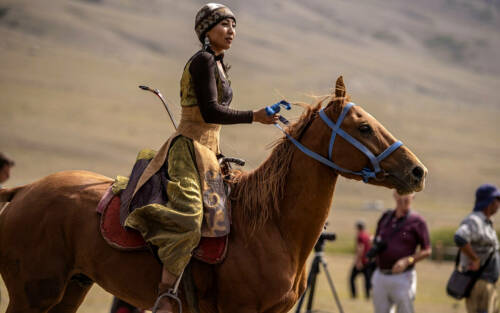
418	172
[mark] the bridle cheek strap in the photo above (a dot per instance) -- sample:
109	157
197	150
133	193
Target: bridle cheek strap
365	173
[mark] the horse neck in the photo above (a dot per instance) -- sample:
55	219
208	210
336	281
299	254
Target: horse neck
308	196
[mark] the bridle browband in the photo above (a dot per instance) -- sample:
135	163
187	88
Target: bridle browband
365	173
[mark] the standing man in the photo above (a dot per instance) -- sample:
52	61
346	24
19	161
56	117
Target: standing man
5	166
478	243
399	233
361	262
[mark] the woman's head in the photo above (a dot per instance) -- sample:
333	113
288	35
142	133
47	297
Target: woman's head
217	23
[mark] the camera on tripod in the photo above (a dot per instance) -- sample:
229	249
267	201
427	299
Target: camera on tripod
314	271
325	236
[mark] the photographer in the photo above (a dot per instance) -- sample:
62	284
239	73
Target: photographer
399	233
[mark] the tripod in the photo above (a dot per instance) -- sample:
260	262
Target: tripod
313	273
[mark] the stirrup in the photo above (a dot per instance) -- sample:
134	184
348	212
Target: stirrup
171	293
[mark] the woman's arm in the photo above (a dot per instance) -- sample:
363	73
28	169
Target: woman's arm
466	248
202	71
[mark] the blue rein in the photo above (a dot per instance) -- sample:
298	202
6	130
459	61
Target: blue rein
365	173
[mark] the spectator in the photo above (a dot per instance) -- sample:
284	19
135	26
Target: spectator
5	165
478	243
361	262
399	233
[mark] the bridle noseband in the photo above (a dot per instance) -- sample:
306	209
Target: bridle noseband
365	173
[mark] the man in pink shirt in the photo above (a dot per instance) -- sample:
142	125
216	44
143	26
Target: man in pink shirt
361	262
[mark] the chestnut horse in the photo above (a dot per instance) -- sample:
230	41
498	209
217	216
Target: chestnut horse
51	251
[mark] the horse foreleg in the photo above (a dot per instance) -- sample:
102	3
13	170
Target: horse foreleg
34	296
75	292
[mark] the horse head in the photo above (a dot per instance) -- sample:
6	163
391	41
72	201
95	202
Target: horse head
359	147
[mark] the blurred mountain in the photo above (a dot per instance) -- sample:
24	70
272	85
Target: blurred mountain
459	33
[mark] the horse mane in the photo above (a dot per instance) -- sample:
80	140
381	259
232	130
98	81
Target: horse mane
258	193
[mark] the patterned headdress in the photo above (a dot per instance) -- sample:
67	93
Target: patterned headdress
208	16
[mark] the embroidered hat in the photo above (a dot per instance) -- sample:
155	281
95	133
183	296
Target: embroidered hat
485	194
208	16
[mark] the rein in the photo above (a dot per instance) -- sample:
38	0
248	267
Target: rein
365	173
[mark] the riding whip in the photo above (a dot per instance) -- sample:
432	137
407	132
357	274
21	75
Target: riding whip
158	93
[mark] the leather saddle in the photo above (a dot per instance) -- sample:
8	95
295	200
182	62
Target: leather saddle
211	250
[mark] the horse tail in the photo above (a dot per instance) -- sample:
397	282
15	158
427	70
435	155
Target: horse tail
6	195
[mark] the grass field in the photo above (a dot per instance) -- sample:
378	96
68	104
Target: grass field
427	70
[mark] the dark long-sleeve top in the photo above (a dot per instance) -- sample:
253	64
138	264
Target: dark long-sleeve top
203	69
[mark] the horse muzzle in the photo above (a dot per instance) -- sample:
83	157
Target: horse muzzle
411	179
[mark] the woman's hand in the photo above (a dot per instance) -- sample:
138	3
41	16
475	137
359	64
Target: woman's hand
262	117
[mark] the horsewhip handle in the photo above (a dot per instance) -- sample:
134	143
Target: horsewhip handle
158	93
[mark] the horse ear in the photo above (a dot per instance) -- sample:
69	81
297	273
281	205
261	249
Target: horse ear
339	88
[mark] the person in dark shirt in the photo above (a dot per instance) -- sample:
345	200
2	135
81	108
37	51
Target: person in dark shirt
399	233
361	262
175	228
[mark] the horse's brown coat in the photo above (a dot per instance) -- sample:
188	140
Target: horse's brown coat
49	231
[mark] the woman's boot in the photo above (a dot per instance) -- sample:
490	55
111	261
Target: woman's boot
167	283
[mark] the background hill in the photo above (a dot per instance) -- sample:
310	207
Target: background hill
428	70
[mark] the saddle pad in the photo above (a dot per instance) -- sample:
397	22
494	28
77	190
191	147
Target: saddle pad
211	250
115	235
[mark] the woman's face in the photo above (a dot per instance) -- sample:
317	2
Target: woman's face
222	35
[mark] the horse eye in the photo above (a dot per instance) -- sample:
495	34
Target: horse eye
365	128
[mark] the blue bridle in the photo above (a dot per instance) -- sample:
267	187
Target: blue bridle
365	173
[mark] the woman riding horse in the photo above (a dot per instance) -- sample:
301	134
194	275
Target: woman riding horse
175	227
51	250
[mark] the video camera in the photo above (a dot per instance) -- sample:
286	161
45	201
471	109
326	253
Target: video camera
325	236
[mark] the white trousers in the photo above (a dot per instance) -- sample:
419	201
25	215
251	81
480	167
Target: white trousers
395	291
